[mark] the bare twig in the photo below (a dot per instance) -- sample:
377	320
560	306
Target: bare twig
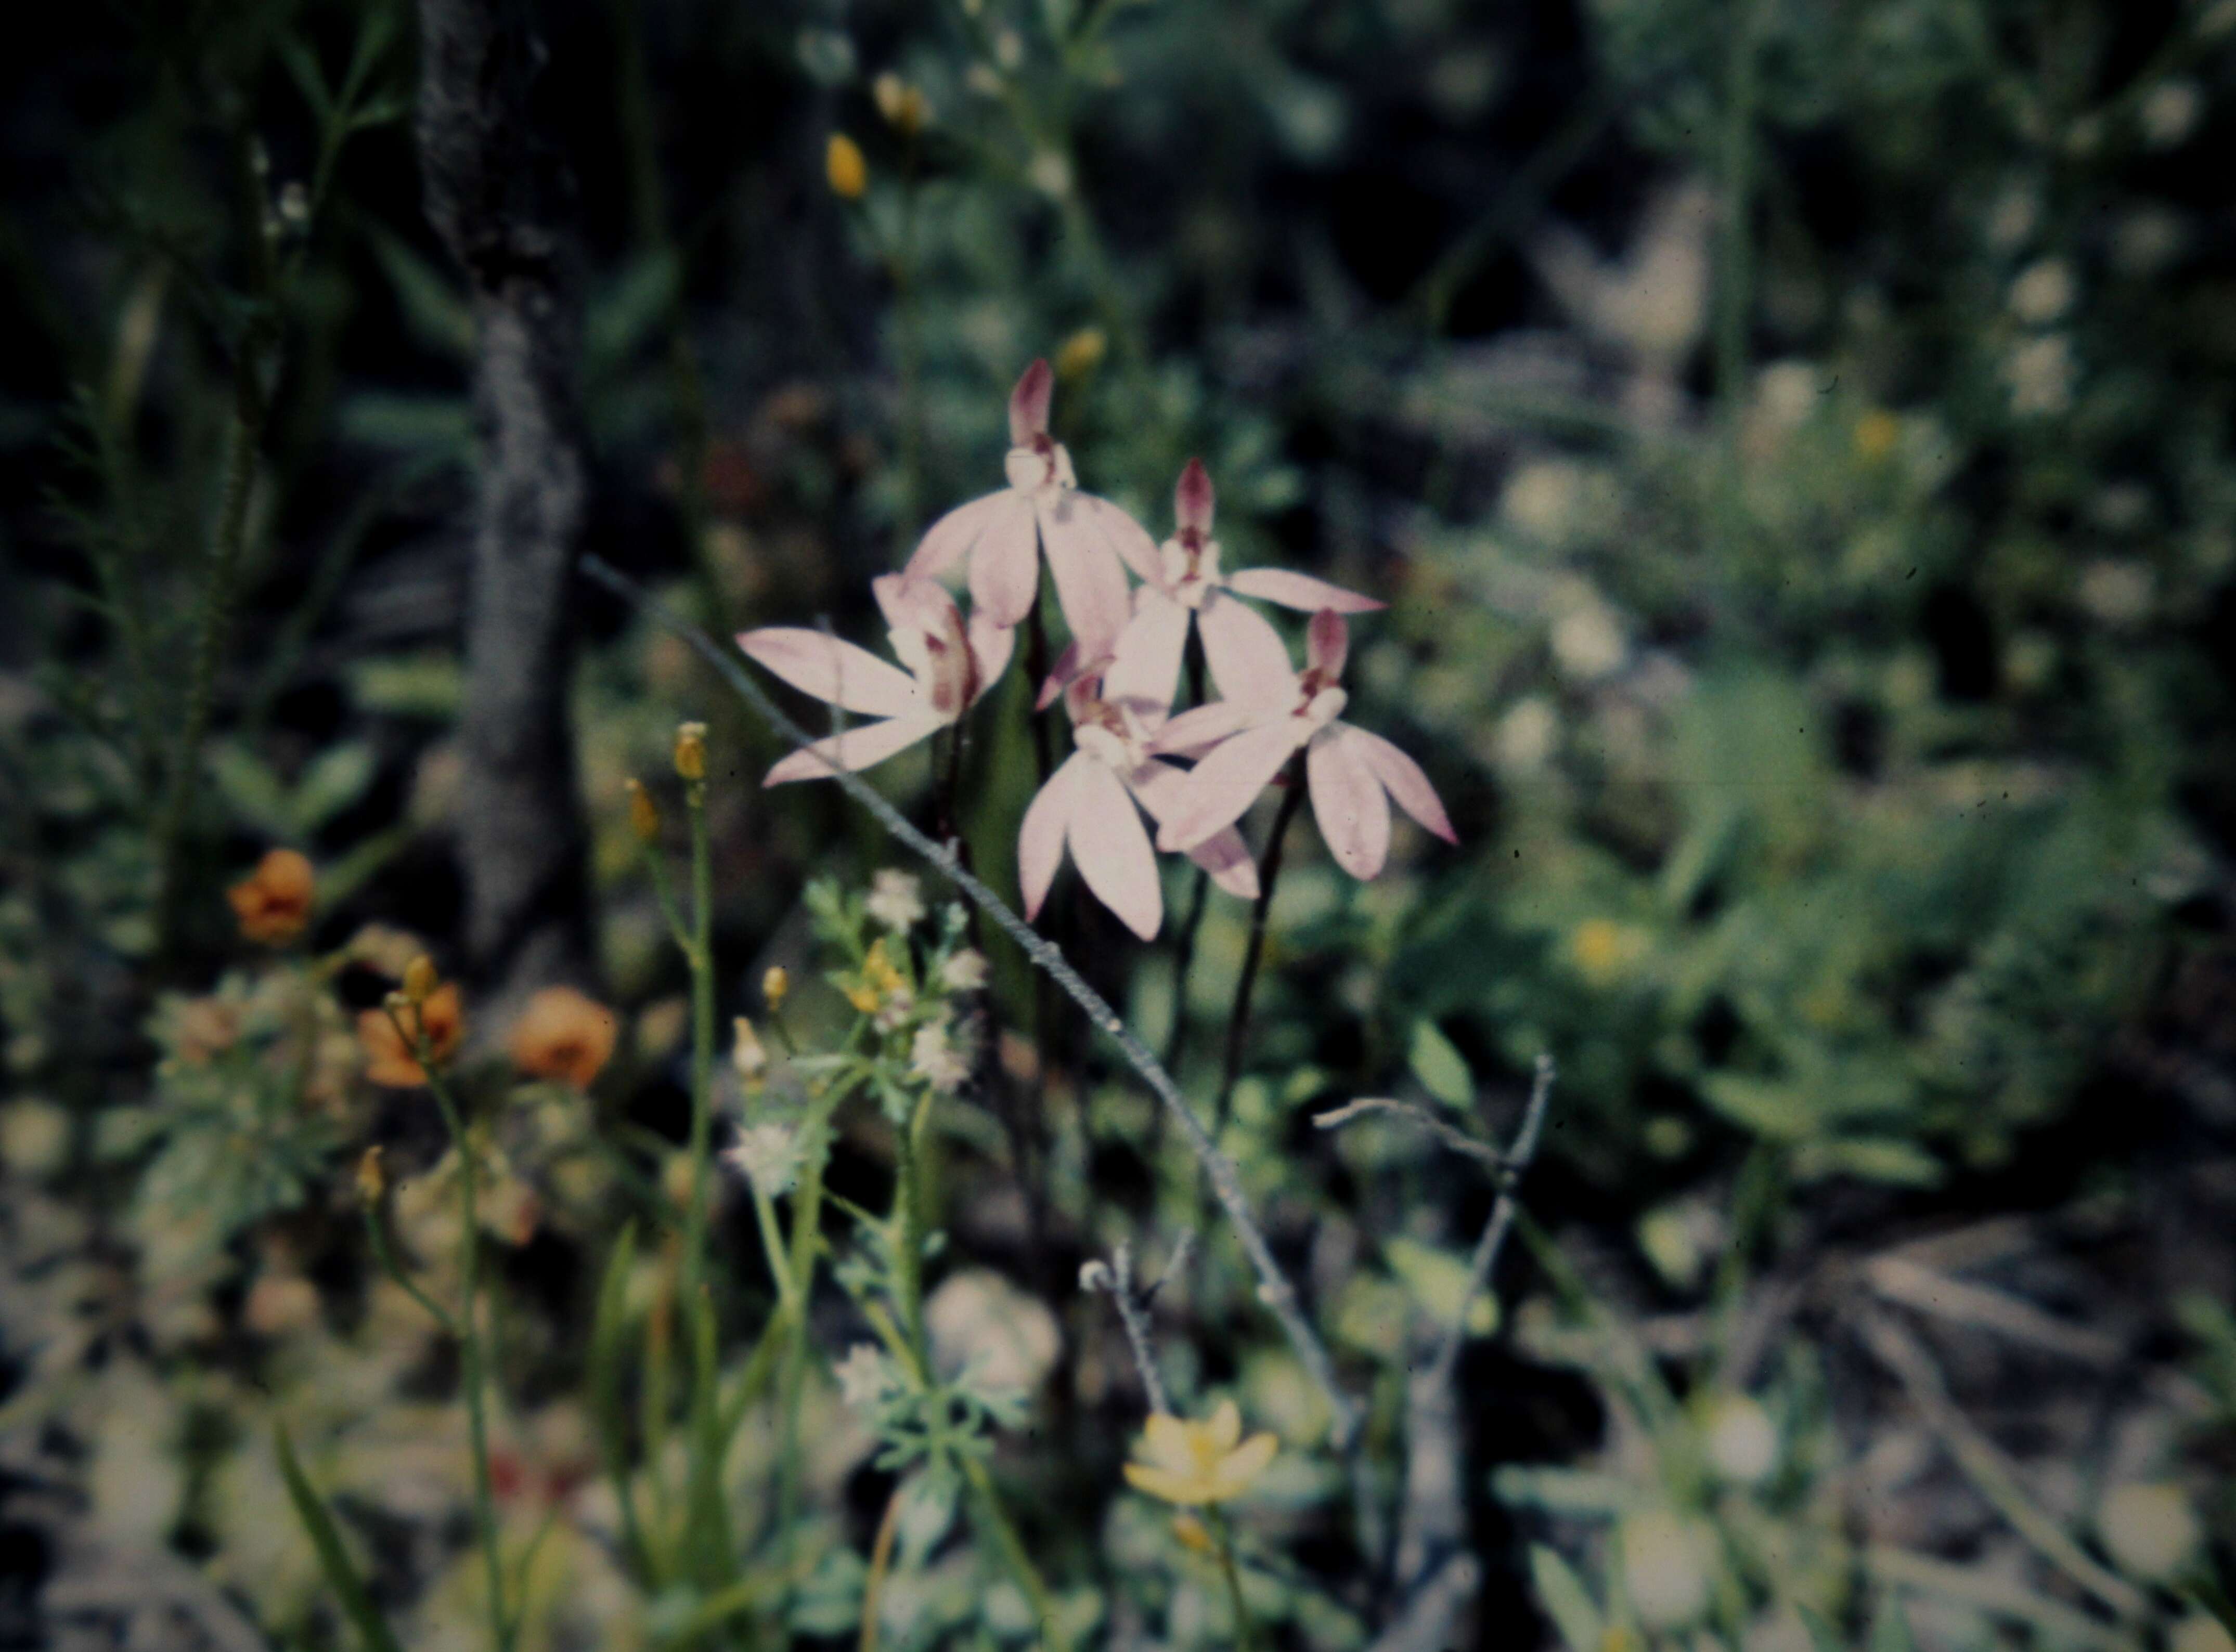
1502	1216
1445	1131
1275	1290
1115	1280
1930	1291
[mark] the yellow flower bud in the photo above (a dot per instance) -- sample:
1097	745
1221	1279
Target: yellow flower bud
902	105
1082	353
843	165
691	750
644	814
420	979
372	1178
1193	1533
776	985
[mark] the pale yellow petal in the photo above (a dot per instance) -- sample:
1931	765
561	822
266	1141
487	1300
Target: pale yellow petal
1166	1443
1160	1483
1239	1470
1225	1428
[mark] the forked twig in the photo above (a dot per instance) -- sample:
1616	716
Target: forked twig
1273	1288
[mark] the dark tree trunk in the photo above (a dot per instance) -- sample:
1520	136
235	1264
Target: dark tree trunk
500	201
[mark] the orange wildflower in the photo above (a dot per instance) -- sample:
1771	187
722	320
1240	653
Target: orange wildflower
273	903
390	1057
563	1034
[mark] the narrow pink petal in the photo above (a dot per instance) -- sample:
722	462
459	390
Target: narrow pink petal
1005	566
1347	801
911	602
1327	645
1060	676
1244	654
1228	781
1200	728
856	749
1158	787
1128	537
1090	582
1040	841
1299	591
1112	851
1029	403
990	648
1193	499
831	669
1402	778
948	541
1145	665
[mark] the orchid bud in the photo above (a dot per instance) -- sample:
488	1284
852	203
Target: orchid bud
1029	404
1193	499
776	985
644	814
845	169
420	979
691	750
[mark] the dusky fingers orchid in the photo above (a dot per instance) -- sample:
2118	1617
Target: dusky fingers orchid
950	667
1087	541
1089	803
1183	579
1353	775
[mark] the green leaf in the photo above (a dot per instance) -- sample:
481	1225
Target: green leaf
1890	1625
333	1558
1438	1281
1566	1601
1885	1159
435	312
1442	1069
626	314
334	780
253	792
1766	1106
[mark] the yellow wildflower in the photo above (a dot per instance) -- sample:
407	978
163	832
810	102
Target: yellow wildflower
1082	353
1190	1463
843	165
1876	432
776	985
902	104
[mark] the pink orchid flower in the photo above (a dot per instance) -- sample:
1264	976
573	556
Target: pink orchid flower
1089	803
1353	775
1183	580
1084	537
950	667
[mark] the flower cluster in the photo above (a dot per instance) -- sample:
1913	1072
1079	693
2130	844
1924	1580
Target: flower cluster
1117	677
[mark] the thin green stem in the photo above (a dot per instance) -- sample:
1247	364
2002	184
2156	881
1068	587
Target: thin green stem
1222	1539
701	954
1269	872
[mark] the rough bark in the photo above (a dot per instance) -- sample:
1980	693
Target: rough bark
499	199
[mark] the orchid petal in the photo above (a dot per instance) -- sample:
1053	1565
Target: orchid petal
1145	662
1158	787
1404	780
1039	840
1004	567
1193	499
1029	403
1246	654
1228	781
911	602
1061	677
991	645
854	750
1090	582
1327	645
1198	729
818	664
1111	850
1300	591
949	540
1128	537
1348	800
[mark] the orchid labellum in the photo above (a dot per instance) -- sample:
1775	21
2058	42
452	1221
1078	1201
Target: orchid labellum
950	667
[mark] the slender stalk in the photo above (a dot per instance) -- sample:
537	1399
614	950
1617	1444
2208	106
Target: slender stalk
1222	1539
700	953
1485	1260
1269	872
881	1558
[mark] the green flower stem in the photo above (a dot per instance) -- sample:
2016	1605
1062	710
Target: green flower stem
385	1255
1269	873
473	1376
1222	1539
701	955
994	1521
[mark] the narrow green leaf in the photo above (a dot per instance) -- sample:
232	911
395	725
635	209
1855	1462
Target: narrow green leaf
333	1558
1442	1069
1566	1600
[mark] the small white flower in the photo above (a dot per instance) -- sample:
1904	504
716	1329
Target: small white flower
896	899
2150	1529
2040	374
2042	293
1588	643
934	1058
1742	1440
1665	1565
864	1376
768	1155
2169	113
964	972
